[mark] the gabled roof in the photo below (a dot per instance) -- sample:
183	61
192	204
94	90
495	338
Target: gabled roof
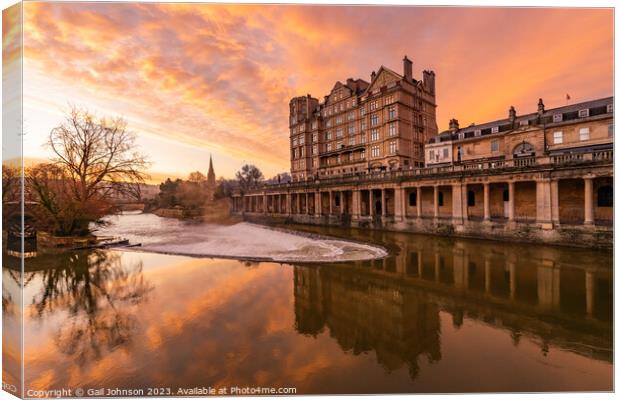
383	77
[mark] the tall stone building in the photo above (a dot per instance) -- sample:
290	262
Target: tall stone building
361	126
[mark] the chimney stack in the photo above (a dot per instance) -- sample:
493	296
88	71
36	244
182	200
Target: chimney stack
512	115
454	125
541	106
407	69
372	76
428	78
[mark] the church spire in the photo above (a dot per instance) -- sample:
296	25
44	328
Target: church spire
211	173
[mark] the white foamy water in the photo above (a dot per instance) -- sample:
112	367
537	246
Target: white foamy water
243	240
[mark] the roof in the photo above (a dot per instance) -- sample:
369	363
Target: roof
569	112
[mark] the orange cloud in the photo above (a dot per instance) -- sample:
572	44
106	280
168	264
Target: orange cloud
221	76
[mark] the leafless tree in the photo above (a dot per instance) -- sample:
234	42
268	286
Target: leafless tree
98	155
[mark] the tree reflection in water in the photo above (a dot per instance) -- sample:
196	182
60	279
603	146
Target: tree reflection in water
97	291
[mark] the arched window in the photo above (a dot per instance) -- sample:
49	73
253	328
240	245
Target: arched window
523	150
471	198
605	196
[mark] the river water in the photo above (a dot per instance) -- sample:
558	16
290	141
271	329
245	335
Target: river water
436	315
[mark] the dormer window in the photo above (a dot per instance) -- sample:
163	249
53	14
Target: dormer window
477	132
495	129
557	117
584	113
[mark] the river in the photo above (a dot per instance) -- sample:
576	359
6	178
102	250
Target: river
437	315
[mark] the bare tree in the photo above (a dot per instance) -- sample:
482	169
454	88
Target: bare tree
98	155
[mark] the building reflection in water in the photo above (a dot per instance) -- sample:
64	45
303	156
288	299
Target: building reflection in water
392	306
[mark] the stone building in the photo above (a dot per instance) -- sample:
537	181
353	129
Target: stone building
541	176
361	126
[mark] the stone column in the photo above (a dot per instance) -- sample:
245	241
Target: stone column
342	203
487	202
289	202
307	203
589	201
555	202
399	203
543	203
511	201
418	202
265	197
435	201
298	203
356	197
318	204
457	204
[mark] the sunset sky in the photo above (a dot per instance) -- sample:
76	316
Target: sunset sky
194	80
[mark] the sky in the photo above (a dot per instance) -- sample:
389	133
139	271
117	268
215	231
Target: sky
195	80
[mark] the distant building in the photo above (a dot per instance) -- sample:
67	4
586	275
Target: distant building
362	126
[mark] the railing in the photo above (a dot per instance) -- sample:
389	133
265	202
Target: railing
467	167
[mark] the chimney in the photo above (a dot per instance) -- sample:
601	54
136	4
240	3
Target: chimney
428	78
541	107
407	67
454	125
372	76
512	115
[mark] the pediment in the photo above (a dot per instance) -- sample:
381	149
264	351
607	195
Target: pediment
384	77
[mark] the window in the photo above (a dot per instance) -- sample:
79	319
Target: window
302	139
363	127
524	122
494	146
315	137
445	152
329	123
392	129
461	135
363	138
557	117
610	130
392	112
352	141
374	120
374	134
605	196
329	147
314	124
362	154
374	151
413	199
363	111
340	145
440	199
373	105
315	149
339	119
558	137
584	113
393	147
477	132
339	132
610	108
295	141
351	115
584	134
495	129
471	198
431	155
351	129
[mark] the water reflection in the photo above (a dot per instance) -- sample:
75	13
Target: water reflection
94	290
432	317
